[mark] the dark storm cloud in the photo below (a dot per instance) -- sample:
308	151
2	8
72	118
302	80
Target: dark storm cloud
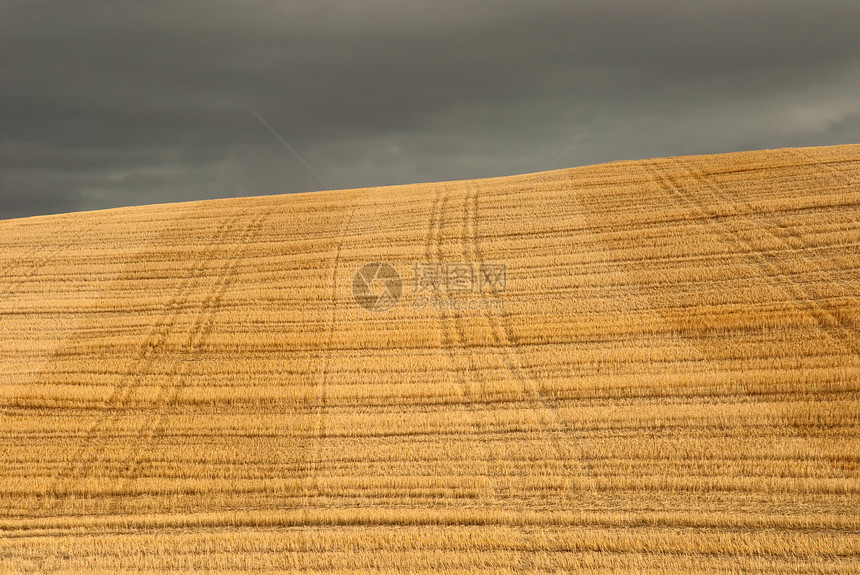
108	104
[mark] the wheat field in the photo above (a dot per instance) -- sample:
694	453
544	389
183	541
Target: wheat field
668	381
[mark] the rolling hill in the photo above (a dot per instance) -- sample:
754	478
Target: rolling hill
638	367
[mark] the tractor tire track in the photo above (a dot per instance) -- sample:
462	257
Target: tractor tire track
87	453
770	265
824	166
451	332
197	336
508	350
314	460
491	470
35	267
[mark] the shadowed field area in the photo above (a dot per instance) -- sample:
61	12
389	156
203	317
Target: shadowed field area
668	380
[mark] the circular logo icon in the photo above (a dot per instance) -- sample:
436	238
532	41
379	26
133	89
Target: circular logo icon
377	286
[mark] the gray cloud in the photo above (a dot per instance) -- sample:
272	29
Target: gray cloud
107	104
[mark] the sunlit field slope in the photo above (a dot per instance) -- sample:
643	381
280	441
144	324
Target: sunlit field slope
667	380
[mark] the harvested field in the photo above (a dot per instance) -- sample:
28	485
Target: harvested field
668	380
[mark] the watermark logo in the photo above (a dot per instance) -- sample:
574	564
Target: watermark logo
448	285
377	286
460	278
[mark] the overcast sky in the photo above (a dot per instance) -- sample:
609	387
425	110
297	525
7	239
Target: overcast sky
114	103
